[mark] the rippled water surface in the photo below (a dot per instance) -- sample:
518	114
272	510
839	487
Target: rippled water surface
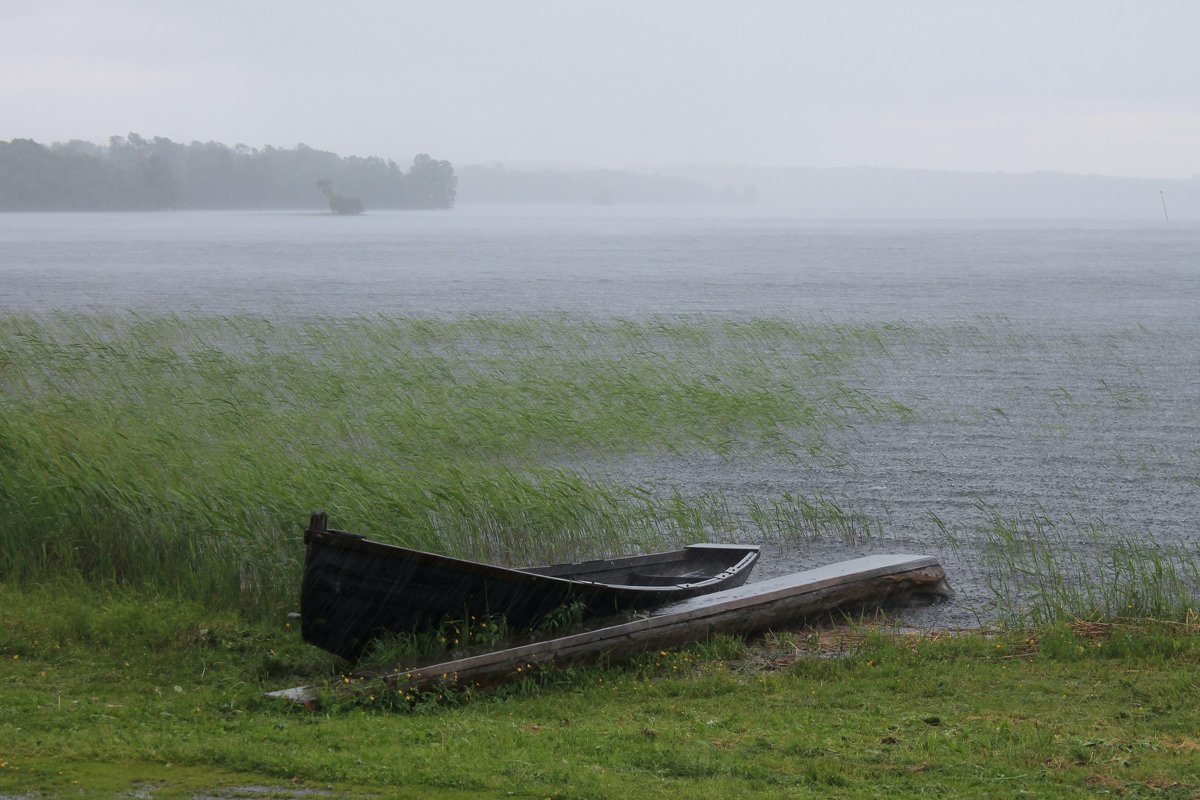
1051	368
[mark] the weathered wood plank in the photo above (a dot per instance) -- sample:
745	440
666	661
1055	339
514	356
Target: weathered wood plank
869	581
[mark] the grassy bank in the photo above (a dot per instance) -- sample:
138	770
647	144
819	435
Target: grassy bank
110	694
155	474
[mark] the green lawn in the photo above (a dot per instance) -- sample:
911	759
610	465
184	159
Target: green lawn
111	694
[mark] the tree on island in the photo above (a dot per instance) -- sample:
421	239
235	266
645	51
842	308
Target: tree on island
339	203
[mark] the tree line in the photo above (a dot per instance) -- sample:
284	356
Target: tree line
131	173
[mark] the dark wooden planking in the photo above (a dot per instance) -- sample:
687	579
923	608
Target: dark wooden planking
870	581
355	589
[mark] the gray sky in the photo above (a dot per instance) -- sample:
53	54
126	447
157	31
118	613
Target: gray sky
1090	86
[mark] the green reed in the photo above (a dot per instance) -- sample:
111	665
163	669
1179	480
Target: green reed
186	453
794	517
1060	386
1042	570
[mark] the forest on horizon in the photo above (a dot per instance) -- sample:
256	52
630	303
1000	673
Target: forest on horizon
132	173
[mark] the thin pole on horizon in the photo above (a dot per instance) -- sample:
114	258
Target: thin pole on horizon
1164	202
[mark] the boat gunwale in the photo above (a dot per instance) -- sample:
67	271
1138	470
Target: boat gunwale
354	541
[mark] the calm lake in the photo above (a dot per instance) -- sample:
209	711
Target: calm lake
1053	368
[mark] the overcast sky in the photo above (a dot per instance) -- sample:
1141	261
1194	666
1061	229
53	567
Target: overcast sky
1091	86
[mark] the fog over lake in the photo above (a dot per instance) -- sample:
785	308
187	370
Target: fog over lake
1051	368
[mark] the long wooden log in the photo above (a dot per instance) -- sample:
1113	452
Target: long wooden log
872	581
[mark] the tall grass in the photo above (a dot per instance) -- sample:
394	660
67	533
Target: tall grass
186	453
1083	443
1040	570
794	517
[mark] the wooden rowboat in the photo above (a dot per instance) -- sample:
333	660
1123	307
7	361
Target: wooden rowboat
788	600
355	589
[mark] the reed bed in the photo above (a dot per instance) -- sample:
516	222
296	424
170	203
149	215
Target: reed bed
794	517
184	454
1042	570
1066	486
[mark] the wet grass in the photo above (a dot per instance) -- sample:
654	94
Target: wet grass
115	693
1041	570
1069	457
155	474
793	517
184	454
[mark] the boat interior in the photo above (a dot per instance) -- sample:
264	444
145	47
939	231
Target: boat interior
693	564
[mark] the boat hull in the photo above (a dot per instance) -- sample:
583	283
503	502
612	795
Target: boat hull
781	602
355	590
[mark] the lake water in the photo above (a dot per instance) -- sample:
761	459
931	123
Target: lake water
1054	367
603	261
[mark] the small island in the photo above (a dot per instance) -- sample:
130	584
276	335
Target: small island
133	173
